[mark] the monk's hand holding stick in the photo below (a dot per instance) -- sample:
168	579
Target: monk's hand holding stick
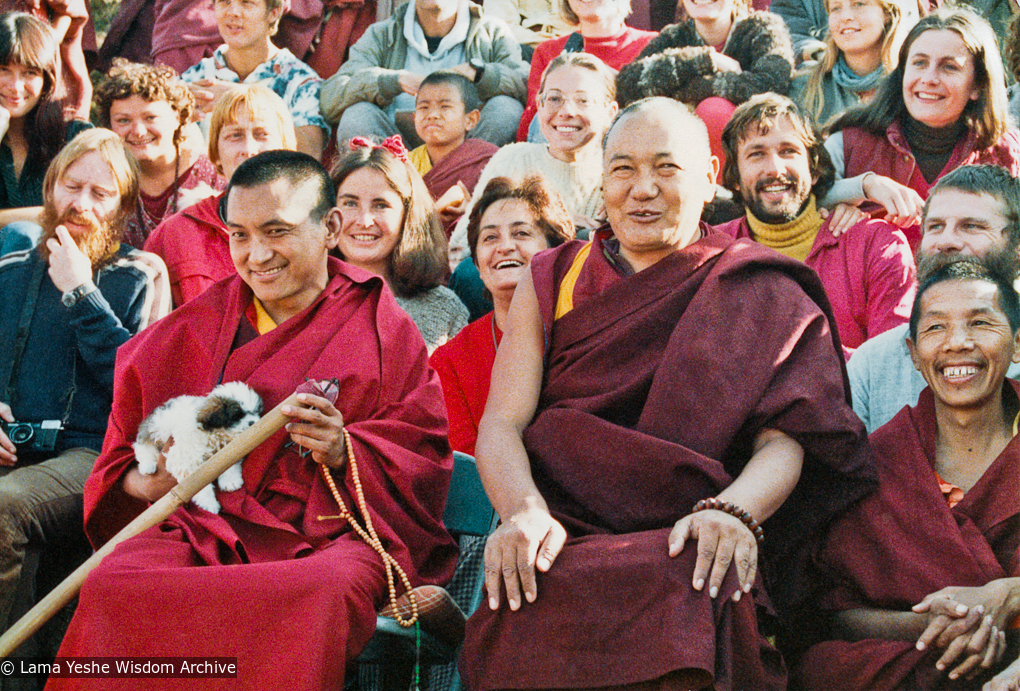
318	426
530	538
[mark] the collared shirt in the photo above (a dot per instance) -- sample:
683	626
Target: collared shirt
289	78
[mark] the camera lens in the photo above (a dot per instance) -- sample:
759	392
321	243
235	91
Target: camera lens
19	434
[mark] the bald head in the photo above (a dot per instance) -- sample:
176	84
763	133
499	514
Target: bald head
670	114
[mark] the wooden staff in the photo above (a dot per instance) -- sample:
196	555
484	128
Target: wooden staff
230	454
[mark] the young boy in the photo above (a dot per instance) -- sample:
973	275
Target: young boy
249	56
446	110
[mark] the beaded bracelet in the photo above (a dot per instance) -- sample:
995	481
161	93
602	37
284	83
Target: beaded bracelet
733	510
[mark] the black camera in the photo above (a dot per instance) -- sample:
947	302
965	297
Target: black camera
33	436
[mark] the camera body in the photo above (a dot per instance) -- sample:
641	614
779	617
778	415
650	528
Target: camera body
33	436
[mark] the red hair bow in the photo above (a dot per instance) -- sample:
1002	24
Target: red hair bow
394	144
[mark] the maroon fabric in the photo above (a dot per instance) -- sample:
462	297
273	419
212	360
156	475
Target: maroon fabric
150	210
904	542
634	373
890	155
195	247
464	365
267	563
868	274
342	25
463	164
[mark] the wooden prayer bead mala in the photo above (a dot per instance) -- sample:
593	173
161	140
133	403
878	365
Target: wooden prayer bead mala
369	535
733	510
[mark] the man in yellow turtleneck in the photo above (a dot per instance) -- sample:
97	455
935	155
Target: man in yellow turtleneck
777	166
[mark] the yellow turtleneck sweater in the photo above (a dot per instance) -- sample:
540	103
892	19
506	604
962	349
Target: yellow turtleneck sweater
794	239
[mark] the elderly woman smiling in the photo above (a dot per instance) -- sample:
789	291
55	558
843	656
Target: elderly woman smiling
508	226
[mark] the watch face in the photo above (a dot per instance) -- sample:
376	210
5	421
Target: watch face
69	299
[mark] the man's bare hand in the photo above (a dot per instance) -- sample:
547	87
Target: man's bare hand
319	427
409	82
207	92
8	452
151	488
722	540
531	539
69	267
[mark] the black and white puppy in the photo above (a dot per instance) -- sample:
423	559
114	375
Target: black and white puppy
200	426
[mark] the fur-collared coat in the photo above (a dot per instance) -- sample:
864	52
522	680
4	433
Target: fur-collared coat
679	65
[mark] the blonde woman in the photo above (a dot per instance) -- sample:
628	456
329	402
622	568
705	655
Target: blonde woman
861	47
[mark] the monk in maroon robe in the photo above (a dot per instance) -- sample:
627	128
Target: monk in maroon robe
660	369
291	596
925	573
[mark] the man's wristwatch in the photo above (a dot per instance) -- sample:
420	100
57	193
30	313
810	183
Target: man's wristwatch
479	67
71	297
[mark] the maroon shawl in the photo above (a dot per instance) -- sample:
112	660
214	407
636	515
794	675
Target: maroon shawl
463	164
267	562
637	373
903	543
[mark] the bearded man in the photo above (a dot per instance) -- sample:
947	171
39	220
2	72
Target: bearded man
778	168
65	308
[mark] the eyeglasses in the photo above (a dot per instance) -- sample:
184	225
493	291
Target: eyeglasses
555	100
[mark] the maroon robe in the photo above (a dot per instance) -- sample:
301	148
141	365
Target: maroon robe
463	164
903	543
292	597
684	363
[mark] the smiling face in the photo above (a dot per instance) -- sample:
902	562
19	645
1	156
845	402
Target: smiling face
964	343
938	78
656	182
857	26
958	222
574	110
21	88
775	172
245	23
146	127
373	220
439	117
243	138
596	10
508	237
277	249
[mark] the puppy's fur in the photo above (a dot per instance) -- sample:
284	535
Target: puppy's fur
200	426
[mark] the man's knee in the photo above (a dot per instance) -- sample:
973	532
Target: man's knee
501	116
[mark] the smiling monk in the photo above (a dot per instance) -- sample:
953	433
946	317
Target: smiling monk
209	585
643	419
926	571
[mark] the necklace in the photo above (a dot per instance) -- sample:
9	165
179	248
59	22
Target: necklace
369	535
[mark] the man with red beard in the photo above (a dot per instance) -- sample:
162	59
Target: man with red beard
65	309
778	168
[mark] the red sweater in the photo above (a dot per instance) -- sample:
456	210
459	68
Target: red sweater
615	51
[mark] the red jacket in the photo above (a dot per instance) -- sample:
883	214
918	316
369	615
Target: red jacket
891	156
867	272
195	246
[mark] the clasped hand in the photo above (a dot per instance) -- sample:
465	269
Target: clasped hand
970	624
318	426
722	540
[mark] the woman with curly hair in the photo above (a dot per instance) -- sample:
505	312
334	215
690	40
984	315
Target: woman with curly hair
511	223
391	228
151	111
717	57
33	124
862	45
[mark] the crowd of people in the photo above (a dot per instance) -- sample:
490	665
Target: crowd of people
725	309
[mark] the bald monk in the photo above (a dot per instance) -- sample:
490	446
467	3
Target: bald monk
659	392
